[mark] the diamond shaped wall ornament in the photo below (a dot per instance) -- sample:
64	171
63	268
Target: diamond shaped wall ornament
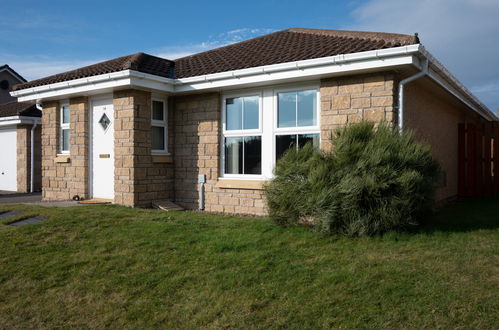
104	121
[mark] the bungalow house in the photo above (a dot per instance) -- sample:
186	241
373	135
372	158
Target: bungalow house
205	131
20	134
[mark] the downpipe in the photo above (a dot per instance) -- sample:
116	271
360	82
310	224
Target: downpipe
201	181
424	72
32	165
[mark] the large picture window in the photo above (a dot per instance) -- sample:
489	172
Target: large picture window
242	136
159	127
65	130
259	127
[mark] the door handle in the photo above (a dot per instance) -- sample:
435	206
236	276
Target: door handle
104	156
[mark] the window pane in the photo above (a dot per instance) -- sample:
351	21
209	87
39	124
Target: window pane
234	155
286	116
157	110
65	114
307	108
65	140
253	155
233	113
283	143
251	112
305	138
158	138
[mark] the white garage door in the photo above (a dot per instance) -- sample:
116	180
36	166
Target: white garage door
8	159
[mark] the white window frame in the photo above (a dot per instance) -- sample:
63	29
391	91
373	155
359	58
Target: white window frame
268	130
297	130
240	133
160	123
64	126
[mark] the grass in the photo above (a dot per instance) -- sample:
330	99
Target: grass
111	266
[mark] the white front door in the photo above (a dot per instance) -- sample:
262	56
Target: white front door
102	170
8	159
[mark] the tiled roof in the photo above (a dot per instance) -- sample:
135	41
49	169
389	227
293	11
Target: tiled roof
19	109
286	46
139	62
278	47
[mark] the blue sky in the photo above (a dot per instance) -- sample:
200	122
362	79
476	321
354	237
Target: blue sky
39	38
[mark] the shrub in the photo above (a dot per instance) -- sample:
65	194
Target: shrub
373	180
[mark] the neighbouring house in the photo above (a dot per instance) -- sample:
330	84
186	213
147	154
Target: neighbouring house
205	131
18	122
20	141
8	78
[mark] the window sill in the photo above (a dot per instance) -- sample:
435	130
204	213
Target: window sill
165	159
62	159
240	184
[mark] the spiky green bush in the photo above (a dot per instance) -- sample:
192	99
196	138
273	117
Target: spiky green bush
373	180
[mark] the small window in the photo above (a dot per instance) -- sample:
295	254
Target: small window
297	109
65	129
159	127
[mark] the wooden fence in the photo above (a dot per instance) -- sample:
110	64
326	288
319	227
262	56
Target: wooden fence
478	147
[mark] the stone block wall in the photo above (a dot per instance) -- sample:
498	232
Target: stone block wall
352	99
140	177
64	176
24	159
197	151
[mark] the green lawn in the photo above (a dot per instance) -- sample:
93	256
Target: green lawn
111	266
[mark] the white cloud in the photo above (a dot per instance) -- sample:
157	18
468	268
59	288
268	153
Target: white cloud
38	68
41	66
222	39
462	34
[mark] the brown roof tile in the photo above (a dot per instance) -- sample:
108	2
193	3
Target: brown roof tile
139	62
278	47
286	46
19	109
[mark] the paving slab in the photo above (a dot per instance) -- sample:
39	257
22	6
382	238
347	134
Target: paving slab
28	221
9	214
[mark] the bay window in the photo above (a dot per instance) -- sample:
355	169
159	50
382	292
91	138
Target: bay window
64	141
259	127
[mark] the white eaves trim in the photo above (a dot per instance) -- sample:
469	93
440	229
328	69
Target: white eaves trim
18	120
94	83
439	73
269	74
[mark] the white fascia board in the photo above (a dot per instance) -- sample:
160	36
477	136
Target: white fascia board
74	90
439	73
18	120
289	70
151	81
293	66
95	83
73	83
302	73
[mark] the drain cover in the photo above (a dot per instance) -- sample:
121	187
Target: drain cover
10	214
27	221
